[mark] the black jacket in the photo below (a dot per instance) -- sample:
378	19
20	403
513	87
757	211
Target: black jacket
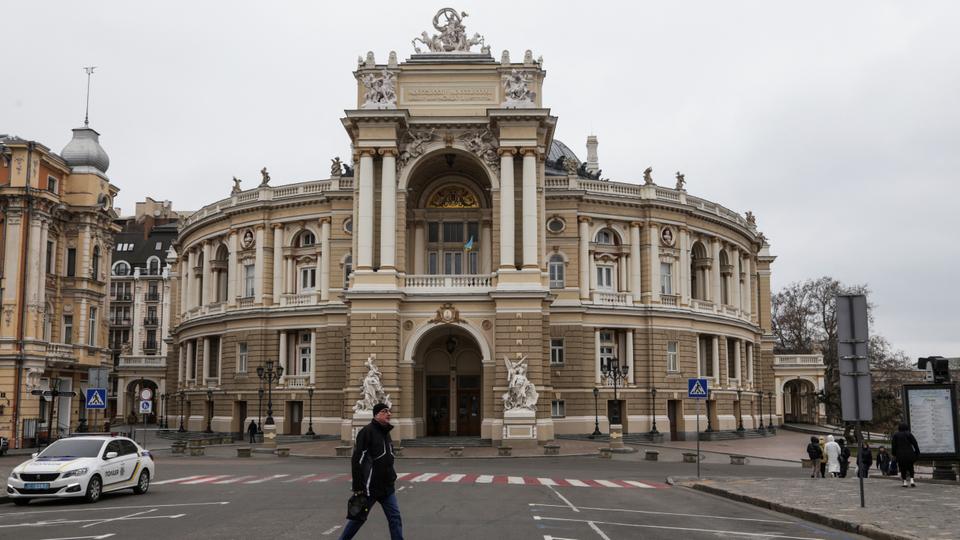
904	447
813	451
372	462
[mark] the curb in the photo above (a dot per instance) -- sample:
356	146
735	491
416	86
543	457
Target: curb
702	451
865	529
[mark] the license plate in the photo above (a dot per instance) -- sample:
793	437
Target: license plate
37	485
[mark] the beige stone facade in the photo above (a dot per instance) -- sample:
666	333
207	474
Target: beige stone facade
465	234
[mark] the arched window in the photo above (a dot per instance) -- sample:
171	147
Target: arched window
121	268
347	270
95	266
606	237
153	266
306	239
555	266
725	273
699	265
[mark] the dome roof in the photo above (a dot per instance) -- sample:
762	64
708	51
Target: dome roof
558	150
84	151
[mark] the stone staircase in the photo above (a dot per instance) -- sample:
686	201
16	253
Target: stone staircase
445	442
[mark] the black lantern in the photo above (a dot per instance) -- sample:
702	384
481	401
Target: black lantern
617	374
739	410
310	425
209	411
596	415
182	394
761	429
268	375
653	406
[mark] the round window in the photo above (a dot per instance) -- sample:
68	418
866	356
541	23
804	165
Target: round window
348	225
556	225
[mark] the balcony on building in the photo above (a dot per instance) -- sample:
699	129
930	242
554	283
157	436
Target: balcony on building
120	321
121	297
151	321
152	296
142	362
150	347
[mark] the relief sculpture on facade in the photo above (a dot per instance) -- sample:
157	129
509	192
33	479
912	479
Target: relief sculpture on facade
484	145
381	90
516	90
414	146
372	389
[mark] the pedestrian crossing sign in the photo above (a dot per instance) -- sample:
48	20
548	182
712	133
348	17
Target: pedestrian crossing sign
96	398
697	388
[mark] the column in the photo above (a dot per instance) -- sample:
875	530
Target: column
277	262
530	230
419	243
715	345
748	286
11	255
192	279
206	361
184	281
121	399
232	270
654	263
635	261
364	222
684	270
258	267
736	361
715	272
191	360
34	269
507	207
181	364
313	357
735	291
596	354
290	268
485	247
325	254
209	284
388	209
42	289
584	262
283	355
699	359
750	363
630	362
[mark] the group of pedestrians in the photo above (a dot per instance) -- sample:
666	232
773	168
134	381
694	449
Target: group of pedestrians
831	457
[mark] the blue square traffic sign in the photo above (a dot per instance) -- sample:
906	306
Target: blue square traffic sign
96	398
697	389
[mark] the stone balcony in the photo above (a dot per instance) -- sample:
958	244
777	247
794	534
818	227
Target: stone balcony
610	298
296	381
142	362
798	361
61	351
463	283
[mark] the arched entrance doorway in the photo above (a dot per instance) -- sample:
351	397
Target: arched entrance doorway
799	402
133	397
448	380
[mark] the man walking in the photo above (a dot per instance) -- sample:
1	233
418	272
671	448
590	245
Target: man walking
906	451
373	474
252	431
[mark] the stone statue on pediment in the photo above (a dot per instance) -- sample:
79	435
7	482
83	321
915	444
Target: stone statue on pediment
648	176
452	36
516	90
681	180
236	186
336	167
381	90
265	177
751	219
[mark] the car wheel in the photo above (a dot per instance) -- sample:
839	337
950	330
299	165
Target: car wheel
143	483
21	502
94	489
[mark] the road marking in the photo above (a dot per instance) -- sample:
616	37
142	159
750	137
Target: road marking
454	477
234	479
121	518
299	478
664	527
484	479
607	483
132	517
634	483
564	499
650	512
546	481
108	535
597	530
548	537
172	480
98	509
266	479
515	480
327	478
424	477
401	476
576	483
205	479
330	531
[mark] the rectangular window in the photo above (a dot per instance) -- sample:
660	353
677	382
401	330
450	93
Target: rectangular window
432	267
473	231
453	263
556	351
666	278
248	280
49	265
308	279
71	262
159	246
558	408
473	263
52	184
453	232
242	353
433	232
214	366
733	371
68	329
706	357
608	350
605	278
92	328
673	363
304	359
556	274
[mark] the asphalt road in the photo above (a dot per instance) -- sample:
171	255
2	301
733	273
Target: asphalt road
506	499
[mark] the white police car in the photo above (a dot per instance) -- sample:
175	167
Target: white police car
82	467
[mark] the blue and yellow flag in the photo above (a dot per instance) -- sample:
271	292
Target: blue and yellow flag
469	245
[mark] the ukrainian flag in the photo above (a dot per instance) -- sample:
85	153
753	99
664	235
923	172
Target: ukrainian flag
469	245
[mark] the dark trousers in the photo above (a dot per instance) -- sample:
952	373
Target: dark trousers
253	438
906	469
391	509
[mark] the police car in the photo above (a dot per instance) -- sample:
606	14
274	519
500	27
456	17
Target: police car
82	467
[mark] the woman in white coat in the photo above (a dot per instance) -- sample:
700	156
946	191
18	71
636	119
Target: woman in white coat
833	456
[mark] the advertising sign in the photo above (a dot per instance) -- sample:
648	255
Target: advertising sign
931	412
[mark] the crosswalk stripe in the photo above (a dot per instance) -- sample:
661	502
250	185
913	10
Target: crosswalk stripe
484	479
205	479
267	479
424	477
515	480
546	481
634	483
173	480
402	476
607	483
234	479
576	483
299	478
454	477
326	477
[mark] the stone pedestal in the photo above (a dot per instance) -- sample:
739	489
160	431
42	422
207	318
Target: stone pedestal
519	428
360	420
616	436
270	435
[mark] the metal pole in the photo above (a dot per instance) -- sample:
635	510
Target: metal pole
859	436
698	439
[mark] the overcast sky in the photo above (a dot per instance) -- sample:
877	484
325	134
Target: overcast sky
836	123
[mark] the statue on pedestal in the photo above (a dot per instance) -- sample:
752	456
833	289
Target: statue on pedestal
680	181
452	36
372	389
236	186
521	393
266	177
648	176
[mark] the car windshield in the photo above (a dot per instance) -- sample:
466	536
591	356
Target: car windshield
72	448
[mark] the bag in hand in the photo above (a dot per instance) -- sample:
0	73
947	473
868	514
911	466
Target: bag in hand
358	507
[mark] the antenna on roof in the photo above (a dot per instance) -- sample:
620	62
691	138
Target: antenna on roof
86	115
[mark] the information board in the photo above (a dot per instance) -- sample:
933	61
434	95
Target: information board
931	413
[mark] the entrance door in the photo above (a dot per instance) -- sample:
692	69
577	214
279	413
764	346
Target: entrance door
438	405
673	414
615	412
239	418
296	416
712	417
468	406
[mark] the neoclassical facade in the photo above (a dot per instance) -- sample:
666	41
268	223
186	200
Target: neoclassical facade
464	241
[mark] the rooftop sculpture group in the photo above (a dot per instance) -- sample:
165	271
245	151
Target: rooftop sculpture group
452	36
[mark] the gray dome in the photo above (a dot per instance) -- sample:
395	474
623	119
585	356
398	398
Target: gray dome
84	150
558	149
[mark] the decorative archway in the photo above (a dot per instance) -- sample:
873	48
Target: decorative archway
799	400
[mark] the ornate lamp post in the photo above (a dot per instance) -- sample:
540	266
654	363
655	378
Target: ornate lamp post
739	410
709	421
260	410
209	411
163	411
310	425
618	374
268	375
182	393
770	411
761	429
653	405
596	415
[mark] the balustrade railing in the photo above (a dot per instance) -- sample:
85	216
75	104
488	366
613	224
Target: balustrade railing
298	299
296	381
668	299
463	281
798	360
612	298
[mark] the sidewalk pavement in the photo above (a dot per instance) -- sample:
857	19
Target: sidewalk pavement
784	446
892	512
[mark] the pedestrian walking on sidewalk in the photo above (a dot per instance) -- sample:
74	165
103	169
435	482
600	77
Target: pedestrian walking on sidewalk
844	457
816	455
883	461
864	460
823	457
373	474
252	431
905	449
833	457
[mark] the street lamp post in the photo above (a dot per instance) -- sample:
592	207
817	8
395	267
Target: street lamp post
761	429
739	410
268	375
709	421
209	411
260	410
310	424
770	411
182	393
163	411
653	405
596	415
617	373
